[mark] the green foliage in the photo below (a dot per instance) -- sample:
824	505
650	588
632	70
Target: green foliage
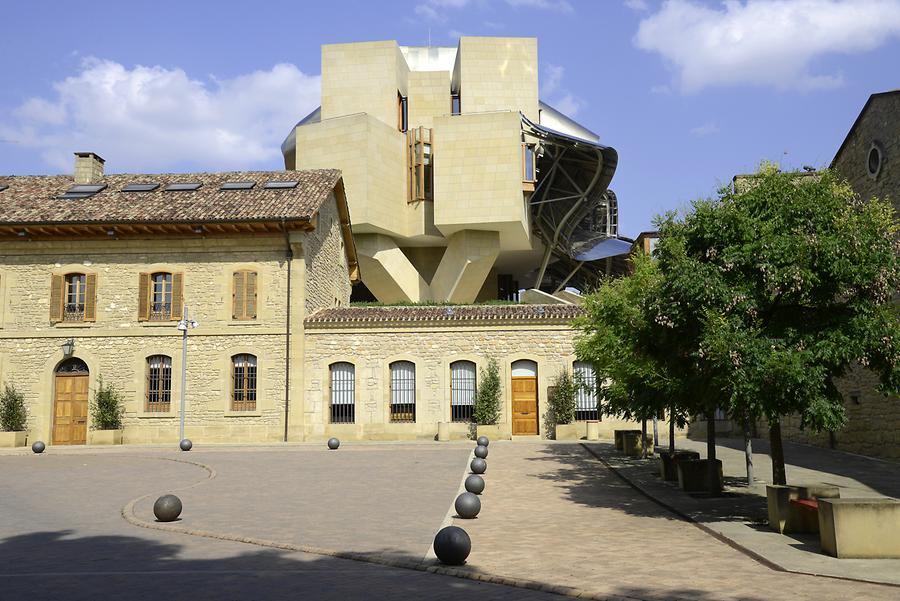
107	407
13	413
775	288
562	397
487	398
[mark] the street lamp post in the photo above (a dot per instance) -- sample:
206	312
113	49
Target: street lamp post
184	325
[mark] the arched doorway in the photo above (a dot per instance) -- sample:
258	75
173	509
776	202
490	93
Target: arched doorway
524	397
70	402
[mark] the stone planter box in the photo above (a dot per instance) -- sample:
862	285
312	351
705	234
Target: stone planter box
668	463
632	445
105	436
593	430
494	432
573	431
783	516
619	438
863	528
13	439
693	475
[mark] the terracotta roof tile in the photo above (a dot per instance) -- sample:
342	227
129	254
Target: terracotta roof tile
455	313
31	199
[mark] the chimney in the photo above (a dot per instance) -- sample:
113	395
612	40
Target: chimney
88	168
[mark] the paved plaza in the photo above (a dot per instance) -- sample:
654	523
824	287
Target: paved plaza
78	524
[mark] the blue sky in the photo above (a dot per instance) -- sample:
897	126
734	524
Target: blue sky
689	92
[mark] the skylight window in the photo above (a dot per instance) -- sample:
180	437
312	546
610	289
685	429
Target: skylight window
140	187
237	185
183	187
280	185
81	191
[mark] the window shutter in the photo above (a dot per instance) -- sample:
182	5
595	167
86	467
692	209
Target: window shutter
177	296
237	295
144	297
56	297
250	291
90	297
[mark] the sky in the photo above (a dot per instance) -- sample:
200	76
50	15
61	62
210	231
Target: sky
689	92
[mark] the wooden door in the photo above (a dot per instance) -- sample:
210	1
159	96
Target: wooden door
524	405
70	409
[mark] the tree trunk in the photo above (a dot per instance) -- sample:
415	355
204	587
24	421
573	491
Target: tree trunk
672	429
748	451
779	476
644	438
655	431
713	469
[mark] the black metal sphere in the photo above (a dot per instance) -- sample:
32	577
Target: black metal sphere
186	444
475	484
483	441
167	508
333	443
452	545
38	446
478	465
481	452
467	505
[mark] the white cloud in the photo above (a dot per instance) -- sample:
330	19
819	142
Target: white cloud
764	42
562	6
553	92
661	89
553	75
152	118
707	129
639	5
436	10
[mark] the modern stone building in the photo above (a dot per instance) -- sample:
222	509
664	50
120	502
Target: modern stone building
462	184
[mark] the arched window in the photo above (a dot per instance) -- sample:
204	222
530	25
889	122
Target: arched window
159	384
462	390
243	383
343	393
586	399
403	391
73	365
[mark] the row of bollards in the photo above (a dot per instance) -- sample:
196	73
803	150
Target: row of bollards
452	544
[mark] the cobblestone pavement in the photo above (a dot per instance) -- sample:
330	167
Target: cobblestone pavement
62	535
553	513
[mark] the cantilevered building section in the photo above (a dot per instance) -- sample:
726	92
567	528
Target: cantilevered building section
462	184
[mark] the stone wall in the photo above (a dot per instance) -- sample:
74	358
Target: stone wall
328	282
432	347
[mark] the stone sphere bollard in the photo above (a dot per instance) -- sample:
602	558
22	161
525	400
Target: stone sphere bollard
452	545
167	508
186	444
483	441
38	447
467	505
478	465
475	484
481	452
333	443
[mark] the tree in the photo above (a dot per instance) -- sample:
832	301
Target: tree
776	288
107	407
562	397
633	356
13	412
487	398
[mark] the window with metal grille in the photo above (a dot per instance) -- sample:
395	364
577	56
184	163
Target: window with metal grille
462	391
586	399
159	383
403	391
243	383
343	393
73	309
160	296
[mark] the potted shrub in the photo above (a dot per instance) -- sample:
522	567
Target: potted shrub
13	415
561	412
487	404
107	409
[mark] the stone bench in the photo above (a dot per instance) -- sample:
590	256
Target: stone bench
668	462
861	528
693	475
619	437
632	445
785	516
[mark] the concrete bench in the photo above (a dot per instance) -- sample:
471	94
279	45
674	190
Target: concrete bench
632	445
668	462
619	437
693	475
862	528
786	516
